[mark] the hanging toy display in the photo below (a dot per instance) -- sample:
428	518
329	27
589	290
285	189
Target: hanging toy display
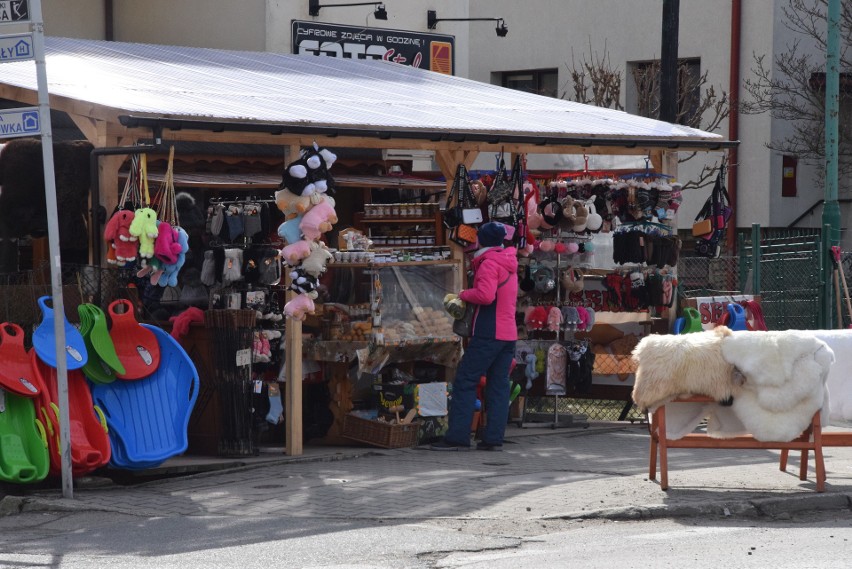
306	177
122	245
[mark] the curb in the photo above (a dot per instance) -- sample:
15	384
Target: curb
782	507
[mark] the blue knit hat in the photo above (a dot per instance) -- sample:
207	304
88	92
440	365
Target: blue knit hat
491	234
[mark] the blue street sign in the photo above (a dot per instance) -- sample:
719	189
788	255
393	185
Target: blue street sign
16	47
23	121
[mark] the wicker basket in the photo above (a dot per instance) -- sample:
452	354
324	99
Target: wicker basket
380	434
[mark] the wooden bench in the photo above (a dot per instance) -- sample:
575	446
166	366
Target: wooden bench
810	439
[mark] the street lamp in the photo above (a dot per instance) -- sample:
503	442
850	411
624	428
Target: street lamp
380	13
432	20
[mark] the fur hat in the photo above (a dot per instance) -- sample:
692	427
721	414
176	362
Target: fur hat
491	234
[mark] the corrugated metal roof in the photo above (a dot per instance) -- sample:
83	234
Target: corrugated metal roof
237	86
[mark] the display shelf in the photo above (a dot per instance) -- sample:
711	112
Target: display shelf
396	219
392	264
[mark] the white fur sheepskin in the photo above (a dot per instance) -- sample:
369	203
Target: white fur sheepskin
785	375
839	381
673	365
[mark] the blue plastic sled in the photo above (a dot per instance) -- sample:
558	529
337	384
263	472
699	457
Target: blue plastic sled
44	339
148	418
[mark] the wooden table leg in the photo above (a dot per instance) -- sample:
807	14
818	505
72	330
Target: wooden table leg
652	462
664	457
818	457
783	463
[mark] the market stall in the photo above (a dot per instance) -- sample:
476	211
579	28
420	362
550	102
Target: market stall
121	94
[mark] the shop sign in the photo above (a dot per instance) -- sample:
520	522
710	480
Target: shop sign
713	308
18	47
13	11
434	52
23	121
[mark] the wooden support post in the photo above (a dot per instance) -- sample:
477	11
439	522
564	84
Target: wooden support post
293	363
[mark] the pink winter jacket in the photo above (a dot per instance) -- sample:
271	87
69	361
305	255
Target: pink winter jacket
495	320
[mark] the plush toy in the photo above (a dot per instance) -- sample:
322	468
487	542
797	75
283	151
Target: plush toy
303	283
581	216
290	203
319	161
554	319
290	230
110	254
292	254
320	256
118	232
296	178
536	318
166	247
299	307
170	272
144	227
530	369
320	219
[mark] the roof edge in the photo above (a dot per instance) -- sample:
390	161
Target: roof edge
158	124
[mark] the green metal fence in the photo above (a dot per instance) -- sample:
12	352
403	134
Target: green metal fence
780	265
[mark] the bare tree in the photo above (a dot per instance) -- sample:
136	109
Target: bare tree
593	80
791	86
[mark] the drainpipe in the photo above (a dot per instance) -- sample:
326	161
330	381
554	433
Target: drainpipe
734	118
109	31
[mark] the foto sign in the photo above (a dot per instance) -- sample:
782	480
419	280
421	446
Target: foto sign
12	11
18	47
23	121
434	52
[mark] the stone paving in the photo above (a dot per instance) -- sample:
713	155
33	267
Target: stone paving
573	473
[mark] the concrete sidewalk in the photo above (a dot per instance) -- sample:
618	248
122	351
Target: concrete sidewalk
597	472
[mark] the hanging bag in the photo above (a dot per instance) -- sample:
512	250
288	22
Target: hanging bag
711	221
462	216
505	197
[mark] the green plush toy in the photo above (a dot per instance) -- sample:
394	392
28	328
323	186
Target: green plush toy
144	227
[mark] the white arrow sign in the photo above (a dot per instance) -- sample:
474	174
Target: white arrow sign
17	47
23	121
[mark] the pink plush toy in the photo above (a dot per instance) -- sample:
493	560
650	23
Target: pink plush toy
294	253
319	219
118	231
299	307
554	319
320	256
166	247
144	227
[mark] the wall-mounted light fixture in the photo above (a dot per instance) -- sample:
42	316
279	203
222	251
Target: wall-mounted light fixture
380	13
432	20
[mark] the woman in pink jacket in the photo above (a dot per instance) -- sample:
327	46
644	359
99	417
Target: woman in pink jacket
492	343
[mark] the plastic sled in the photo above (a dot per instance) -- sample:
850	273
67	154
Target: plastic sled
136	346
148	419
44	339
90	446
736	317
103	361
692	321
16	369
119	458
23	441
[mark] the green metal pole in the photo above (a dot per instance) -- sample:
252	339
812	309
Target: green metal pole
825	304
831	209
755	258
